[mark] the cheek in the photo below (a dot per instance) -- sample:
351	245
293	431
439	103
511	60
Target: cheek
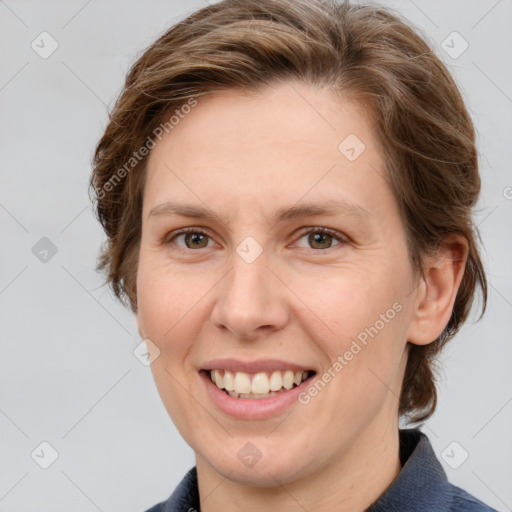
165	299
167	314
365	317
345	302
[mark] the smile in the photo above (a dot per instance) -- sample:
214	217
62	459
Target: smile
255	390
257	385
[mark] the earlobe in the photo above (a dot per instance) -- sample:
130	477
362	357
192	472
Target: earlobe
436	293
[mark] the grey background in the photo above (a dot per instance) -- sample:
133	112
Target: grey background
67	369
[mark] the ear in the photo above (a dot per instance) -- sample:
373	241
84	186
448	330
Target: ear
437	290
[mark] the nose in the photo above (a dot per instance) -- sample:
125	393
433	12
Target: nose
251	300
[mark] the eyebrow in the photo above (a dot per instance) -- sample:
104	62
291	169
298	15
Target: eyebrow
337	207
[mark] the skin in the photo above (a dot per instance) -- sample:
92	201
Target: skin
245	156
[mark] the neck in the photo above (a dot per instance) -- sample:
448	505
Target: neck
351	483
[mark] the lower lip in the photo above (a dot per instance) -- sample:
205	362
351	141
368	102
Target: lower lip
252	408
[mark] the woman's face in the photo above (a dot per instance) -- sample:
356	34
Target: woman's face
258	290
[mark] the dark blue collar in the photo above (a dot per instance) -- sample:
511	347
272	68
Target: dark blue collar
421	483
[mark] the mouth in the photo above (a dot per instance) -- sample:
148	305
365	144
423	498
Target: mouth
254	390
257	386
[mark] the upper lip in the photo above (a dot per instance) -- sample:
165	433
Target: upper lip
262	365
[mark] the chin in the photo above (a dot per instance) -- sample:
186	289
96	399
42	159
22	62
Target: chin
260	463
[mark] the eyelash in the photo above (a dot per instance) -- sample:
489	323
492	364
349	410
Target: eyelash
320	230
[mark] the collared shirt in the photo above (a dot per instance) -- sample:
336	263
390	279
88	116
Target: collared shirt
421	485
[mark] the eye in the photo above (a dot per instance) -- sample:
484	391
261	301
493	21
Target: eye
322	238
193	238
317	238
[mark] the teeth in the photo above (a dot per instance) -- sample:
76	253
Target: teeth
242	383
250	395
276	381
259	385
288	379
229	381
219	380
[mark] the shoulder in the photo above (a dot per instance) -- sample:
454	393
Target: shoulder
462	501
422	484
184	498
157	508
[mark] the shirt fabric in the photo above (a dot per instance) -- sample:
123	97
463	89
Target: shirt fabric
421	485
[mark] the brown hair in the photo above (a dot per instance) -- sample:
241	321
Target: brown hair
363	52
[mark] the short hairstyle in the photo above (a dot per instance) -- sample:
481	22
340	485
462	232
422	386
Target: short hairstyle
363	53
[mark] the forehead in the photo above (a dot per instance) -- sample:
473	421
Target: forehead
263	150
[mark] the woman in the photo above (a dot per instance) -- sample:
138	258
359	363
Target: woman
287	188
